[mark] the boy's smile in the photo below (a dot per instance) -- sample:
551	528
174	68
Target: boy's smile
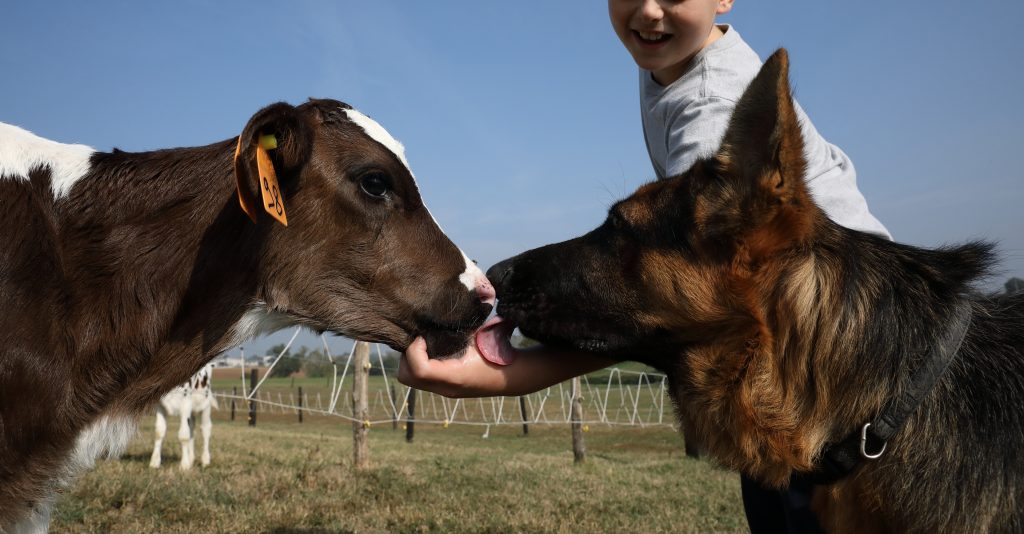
651	40
662	35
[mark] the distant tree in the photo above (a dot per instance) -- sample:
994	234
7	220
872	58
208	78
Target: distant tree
316	365
276	349
286	366
1014	285
317	368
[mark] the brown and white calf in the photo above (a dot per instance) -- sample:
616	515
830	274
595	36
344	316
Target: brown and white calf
122	274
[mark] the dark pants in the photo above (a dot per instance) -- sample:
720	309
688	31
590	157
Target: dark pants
771	511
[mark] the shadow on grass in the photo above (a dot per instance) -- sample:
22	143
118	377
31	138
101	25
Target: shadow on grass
143	458
314	530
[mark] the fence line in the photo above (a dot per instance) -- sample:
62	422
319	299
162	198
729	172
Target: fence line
624	398
618	402
310	410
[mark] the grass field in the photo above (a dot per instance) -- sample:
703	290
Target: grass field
285	477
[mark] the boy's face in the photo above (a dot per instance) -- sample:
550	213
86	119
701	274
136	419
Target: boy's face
662	35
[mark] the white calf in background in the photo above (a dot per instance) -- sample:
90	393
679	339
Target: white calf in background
192	397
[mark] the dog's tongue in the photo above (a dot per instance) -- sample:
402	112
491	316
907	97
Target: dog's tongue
492	341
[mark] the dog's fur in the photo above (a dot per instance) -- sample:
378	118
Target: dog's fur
781	331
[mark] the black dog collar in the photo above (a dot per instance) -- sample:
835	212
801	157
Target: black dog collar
869	442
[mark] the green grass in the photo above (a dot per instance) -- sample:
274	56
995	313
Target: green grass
287	477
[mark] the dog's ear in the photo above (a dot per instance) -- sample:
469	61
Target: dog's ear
760	197
272	149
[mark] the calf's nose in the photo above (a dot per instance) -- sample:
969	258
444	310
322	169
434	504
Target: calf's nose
474	279
485	291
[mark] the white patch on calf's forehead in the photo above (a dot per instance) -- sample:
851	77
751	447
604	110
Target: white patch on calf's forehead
22	151
378	134
472	274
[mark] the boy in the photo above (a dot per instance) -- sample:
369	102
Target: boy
692	73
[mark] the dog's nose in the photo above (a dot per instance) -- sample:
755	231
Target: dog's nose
500	273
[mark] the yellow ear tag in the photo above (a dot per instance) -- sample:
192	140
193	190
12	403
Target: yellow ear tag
268	142
272	199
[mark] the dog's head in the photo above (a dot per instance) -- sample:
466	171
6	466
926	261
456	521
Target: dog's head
676	263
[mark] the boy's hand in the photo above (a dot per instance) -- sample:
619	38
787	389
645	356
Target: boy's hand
472	376
467	376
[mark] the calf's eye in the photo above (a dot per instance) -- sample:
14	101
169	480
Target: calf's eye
374	184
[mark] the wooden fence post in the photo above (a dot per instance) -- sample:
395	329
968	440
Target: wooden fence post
300	404
234	393
394	403
411	417
254	375
579	449
360	410
522	412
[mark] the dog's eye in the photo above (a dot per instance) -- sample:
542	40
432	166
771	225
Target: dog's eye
375	184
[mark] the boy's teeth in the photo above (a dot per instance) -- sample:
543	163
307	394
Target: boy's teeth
650	36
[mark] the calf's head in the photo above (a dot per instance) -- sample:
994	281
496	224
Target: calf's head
360	254
683	261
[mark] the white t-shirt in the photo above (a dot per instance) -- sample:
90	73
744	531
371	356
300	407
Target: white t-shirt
685	121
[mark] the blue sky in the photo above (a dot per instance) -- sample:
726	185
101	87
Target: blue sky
521	119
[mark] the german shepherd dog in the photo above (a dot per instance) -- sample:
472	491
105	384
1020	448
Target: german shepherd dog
783	334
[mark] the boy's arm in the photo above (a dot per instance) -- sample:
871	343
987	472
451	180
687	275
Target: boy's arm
473	376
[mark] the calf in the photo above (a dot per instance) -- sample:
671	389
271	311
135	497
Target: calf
122	274
192	398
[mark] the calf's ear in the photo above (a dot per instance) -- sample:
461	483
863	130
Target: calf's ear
760	198
272	149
